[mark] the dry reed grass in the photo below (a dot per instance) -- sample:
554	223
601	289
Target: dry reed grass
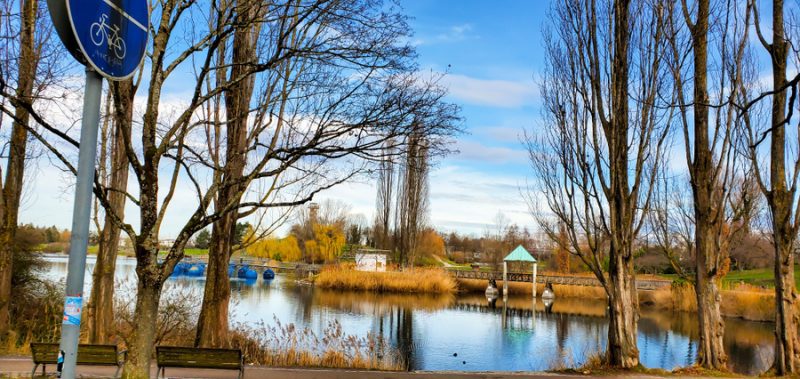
410	281
286	346
744	301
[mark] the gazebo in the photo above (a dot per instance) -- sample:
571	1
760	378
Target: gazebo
518	255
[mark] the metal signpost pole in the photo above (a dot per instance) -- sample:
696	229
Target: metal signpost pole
79	241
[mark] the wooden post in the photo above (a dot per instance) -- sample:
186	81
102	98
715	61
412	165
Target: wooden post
534	278
505	280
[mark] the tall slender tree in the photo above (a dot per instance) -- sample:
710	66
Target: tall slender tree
213	322
605	127
778	177
709	141
412	198
101	323
15	151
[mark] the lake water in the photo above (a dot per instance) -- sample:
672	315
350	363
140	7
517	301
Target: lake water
520	335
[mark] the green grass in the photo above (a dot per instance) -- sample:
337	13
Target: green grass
762	277
189	251
759	277
195	251
92	250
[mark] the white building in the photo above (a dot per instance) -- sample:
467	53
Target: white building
371	260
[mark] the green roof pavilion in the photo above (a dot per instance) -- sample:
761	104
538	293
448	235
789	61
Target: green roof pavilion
518	255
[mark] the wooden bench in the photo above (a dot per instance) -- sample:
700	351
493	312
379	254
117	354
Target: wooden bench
191	357
89	355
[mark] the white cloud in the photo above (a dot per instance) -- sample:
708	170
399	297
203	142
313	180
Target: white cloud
495	93
475	151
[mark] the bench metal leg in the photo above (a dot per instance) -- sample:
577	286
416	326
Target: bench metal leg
33	373
116	373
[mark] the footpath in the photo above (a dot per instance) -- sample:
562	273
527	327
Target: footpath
20	367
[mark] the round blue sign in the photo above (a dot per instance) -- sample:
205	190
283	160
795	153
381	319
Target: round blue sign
109	35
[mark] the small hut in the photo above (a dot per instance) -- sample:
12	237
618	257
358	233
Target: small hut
371	260
518	255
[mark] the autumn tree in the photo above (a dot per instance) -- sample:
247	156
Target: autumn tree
430	244
605	123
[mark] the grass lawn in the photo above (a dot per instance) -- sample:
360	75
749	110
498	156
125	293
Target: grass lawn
189	251
195	251
759	277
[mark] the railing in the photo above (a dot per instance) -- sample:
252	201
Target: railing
642	284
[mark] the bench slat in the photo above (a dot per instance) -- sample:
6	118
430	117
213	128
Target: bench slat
187	357
87	354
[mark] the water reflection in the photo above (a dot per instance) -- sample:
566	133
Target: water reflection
484	333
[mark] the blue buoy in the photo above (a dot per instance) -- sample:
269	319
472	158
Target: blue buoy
231	270
196	270
268	274
180	269
247	273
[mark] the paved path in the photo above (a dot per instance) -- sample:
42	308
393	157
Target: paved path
21	366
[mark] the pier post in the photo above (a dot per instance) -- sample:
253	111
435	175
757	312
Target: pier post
505	280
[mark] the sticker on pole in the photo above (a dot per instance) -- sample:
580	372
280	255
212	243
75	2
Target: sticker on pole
72	310
108	35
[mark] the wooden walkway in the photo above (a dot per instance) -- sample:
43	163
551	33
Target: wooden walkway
641	284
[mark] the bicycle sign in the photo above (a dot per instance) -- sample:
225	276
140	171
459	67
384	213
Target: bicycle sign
101	32
108	35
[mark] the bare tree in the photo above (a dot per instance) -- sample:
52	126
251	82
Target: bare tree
383	212
28	64
412	198
708	141
343	109
779	182
101	320
605	128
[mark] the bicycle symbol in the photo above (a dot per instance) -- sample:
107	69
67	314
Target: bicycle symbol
101	32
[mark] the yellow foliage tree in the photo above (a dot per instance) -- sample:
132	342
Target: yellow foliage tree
330	241
430	243
280	249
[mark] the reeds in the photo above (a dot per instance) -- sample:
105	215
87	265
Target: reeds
427	280
284	345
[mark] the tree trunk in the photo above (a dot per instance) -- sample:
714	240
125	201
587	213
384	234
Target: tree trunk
140	348
711	350
707	205
623	314
787	317
212	329
781	201
623	349
12	188
212	326
101	324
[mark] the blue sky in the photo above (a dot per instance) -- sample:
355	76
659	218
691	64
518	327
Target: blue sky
491	53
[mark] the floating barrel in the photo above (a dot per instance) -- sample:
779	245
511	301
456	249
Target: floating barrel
196	270
231	270
247	273
268	274
180	269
